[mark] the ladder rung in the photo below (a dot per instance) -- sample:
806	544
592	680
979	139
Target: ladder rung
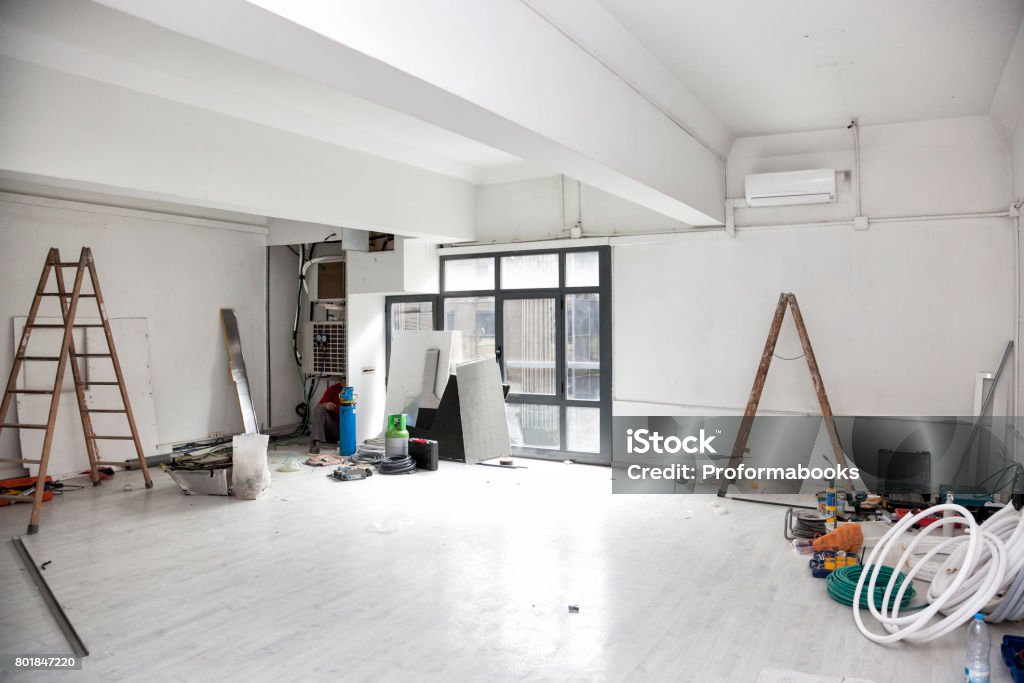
115	463
113	438
70	264
89	384
105	410
22	498
57	326
31	391
92	355
66	295
21	425
21	461
49	358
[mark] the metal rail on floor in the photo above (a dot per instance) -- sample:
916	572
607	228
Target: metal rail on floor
74	640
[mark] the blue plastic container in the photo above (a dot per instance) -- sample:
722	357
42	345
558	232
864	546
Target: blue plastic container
1011	645
347	429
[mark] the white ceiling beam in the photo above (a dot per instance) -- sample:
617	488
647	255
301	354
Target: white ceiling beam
496	72
102	44
595	30
68	131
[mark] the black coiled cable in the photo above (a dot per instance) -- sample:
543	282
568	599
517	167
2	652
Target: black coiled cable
397	464
800	524
367	458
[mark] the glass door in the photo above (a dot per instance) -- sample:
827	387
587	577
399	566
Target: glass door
583	372
546	317
529	361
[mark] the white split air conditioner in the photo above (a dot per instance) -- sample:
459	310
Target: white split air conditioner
792	187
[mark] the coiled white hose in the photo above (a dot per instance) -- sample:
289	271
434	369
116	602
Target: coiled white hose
931	568
979	565
1008	525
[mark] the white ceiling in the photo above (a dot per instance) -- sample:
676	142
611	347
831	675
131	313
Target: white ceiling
795	65
758	66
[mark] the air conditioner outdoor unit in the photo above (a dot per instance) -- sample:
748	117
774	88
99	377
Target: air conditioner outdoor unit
791	187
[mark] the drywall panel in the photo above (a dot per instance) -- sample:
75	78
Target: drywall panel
482	408
901	316
68	453
405	371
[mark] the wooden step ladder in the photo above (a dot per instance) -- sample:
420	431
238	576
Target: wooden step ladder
739	451
69	309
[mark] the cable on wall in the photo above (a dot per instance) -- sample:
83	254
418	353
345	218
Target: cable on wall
855	127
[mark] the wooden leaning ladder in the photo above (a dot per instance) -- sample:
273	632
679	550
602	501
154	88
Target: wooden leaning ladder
69	309
786	300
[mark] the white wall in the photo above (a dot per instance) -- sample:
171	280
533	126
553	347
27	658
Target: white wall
285	384
901	316
1017	160
177	272
908	169
410	268
1017	164
545	209
366	351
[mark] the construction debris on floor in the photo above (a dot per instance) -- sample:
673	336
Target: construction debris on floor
205	471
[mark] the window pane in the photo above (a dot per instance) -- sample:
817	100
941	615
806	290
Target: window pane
412	315
581	269
583	429
533	426
529	271
529	346
583	347
468	274
474	317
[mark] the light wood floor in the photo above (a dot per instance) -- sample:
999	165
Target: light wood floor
464	574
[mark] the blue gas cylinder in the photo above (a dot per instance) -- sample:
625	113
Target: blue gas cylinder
347	429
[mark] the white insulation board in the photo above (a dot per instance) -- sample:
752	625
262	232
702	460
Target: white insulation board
482	406
408	359
67	454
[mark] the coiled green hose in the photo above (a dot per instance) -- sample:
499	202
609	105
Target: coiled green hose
842	586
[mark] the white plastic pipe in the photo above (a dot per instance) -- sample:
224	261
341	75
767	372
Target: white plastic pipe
982	565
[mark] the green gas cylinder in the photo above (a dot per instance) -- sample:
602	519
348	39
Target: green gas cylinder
396	439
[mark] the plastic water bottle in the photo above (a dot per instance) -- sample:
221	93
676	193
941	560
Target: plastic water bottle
976	669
